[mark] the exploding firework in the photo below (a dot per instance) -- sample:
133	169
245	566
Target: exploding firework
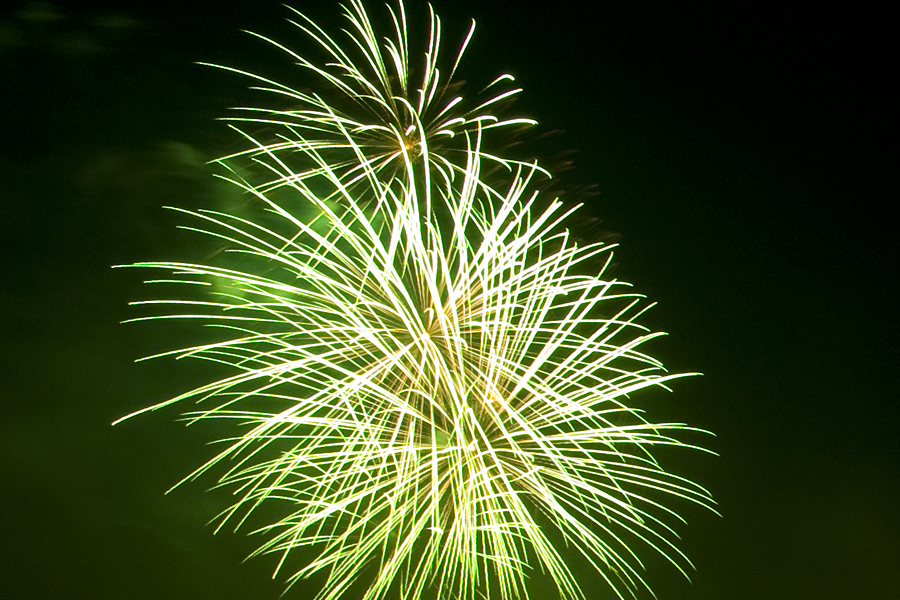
427	385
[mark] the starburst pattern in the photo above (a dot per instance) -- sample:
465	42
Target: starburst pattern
425	379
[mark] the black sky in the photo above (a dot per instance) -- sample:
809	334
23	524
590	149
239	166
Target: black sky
742	154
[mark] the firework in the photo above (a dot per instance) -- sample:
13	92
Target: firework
425	383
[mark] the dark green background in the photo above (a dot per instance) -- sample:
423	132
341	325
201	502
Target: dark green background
744	154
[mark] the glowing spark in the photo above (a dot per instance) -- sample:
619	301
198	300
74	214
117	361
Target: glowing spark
426	380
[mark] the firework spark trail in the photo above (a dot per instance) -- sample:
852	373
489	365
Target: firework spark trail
446	384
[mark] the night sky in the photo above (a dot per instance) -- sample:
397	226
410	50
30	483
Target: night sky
741	155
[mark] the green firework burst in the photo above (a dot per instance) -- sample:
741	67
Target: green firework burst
427	385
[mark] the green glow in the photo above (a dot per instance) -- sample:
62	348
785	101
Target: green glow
418	370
